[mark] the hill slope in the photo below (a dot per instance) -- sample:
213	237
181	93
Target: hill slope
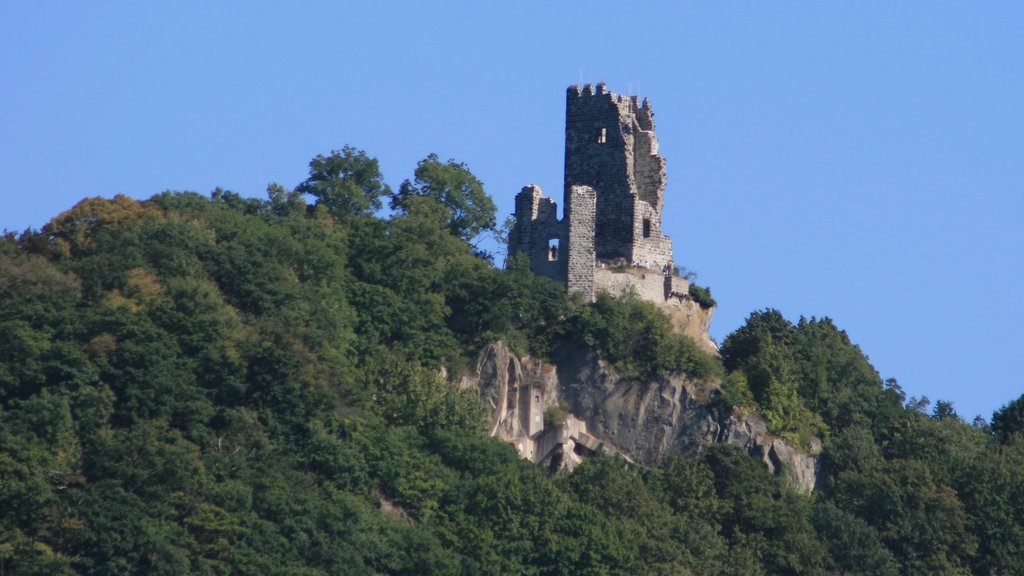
223	385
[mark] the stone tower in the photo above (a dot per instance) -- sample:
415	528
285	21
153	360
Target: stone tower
614	190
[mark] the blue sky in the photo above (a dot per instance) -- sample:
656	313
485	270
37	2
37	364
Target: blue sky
861	161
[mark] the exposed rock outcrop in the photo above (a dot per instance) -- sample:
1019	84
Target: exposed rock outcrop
689	318
643	421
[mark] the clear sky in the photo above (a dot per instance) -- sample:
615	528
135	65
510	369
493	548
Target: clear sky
857	160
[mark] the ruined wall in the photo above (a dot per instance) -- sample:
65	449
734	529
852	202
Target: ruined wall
598	153
648	284
537	224
581	264
515	392
610	146
649	244
650	247
566	432
613	197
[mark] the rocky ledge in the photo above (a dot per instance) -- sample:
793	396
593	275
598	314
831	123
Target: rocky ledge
556	412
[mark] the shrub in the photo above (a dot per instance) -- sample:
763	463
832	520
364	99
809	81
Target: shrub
554	416
637	339
702	296
736	391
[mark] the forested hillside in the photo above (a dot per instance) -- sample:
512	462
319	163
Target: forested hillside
220	385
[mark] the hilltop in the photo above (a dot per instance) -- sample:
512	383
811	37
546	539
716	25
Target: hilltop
217	384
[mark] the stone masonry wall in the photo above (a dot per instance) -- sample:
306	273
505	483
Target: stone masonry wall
610	146
614	193
599	154
648	165
581	263
536	224
649	244
648	284
656	250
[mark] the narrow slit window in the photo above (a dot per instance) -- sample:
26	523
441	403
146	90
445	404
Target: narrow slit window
553	249
647	227
602	135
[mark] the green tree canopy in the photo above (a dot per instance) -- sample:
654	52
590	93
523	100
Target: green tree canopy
347	181
457	189
229	385
1009	420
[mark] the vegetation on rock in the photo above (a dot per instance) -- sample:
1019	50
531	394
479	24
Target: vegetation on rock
702	296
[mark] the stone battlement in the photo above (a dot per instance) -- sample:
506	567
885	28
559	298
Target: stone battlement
613	194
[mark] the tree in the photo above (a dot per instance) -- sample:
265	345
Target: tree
1008	420
944	410
919	520
762	348
855	547
834	377
79	230
285	203
746	341
348	182
454	187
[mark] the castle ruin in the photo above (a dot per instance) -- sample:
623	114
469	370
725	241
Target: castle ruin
609	237
609	240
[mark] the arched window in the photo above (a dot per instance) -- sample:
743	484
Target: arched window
553	249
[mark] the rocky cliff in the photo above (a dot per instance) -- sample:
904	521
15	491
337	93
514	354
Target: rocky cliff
688	317
596	410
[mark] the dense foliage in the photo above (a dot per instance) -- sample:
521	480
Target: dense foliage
470	209
222	385
702	295
636	339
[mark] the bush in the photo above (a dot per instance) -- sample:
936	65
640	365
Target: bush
554	416
637	339
702	296
736	391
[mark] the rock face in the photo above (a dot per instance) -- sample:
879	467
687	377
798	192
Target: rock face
643	421
689	318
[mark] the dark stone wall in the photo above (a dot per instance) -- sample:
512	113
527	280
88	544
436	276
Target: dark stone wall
614	191
605	166
582	211
536	224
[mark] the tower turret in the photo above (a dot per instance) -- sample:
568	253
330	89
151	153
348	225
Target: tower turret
613	171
